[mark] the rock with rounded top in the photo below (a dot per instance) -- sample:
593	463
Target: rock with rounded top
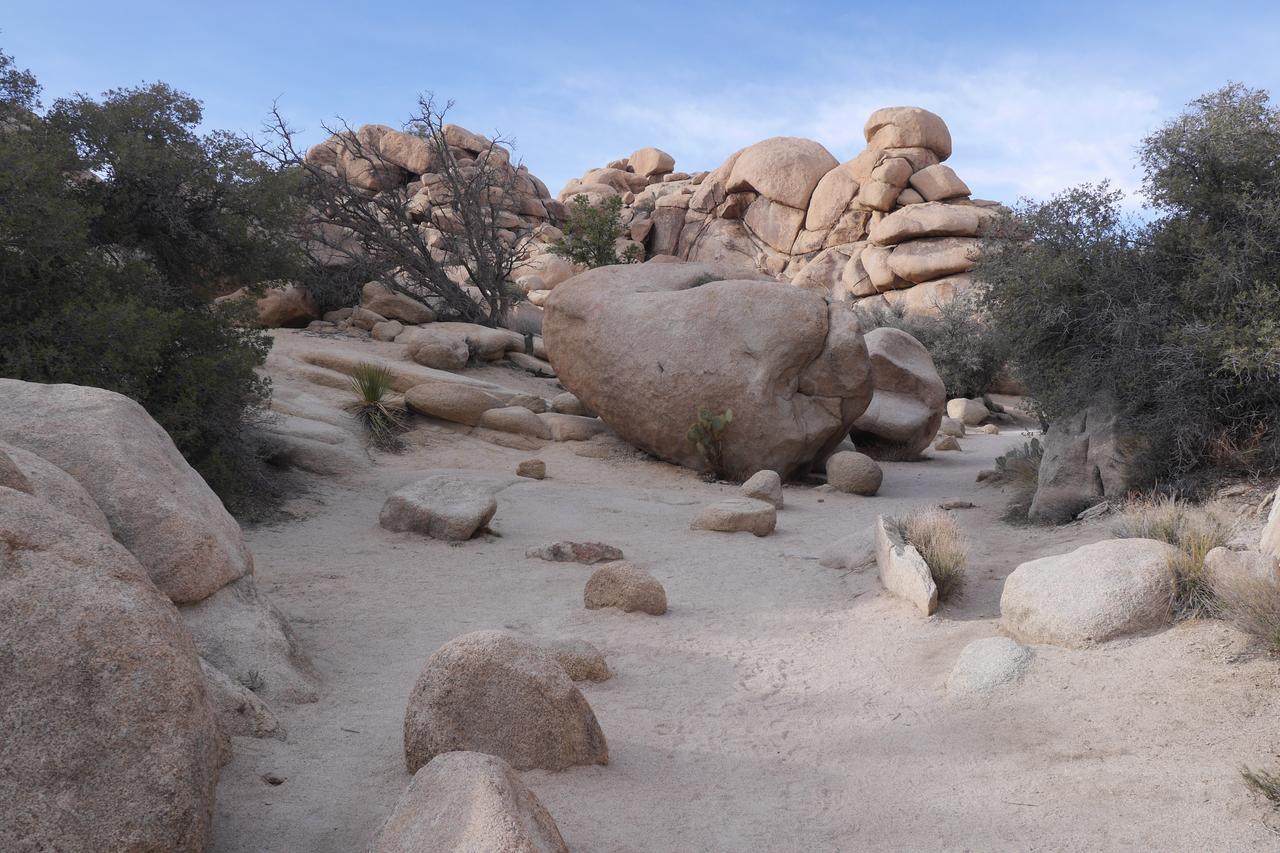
408	151
364	319
906	408
989	429
970	412
738	515
239	709
534	469
647	346
1090	595
580	659
566	403
394	305
24	471
158	506
764	486
854	473
572	427
1231	568
452	401
938	183
785	169
492	692
932	219
626	586
926	300
932	258
905	127
111	742
903	571
587	553
651	161
468	802
951	426
432	348
515	419
443	506
986	667
831	197
946	442
387	330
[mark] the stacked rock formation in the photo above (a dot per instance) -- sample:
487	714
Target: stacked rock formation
894	225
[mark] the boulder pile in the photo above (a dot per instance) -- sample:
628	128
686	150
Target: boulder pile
892	226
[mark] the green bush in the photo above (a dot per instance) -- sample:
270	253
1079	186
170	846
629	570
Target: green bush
590	234
119	224
706	433
966	350
1177	316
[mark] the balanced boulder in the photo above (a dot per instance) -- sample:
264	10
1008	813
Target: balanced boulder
491	692
906	406
650	346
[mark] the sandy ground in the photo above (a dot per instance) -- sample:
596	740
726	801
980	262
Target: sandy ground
779	705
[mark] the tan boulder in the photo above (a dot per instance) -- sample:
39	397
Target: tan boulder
774	223
23	471
452	401
158	506
932	219
110	742
580	659
946	442
764	486
785	169
515	419
452	507
910	196
409	152
572	427
925	299
903	572
906	408
533	469
737	515
468	801
647	346
876	261
905	127
854	473
968	412
552	269
436	348
491	692
625	586
651	161
831	197
387	330
393	305
938	183
933	258
290	306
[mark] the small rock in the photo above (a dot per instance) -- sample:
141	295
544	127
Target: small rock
582	660
442	507
534	469
854	473
738	515
902	570
985	666
568	404
850	552
968	412
952	427
946	442
764	486
626	586
949	505
387	330
587	553
1096	511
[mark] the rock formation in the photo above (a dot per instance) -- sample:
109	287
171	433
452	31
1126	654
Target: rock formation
906	407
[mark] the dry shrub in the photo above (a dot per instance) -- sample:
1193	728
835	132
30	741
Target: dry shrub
1252	604
1266	784
1194	531
935	534
1019	469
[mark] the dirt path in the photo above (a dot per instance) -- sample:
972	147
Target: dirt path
779	705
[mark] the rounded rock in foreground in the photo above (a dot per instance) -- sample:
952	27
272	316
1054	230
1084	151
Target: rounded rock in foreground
854	473
468	801
737	515
492	692
986	666
764	486
625	586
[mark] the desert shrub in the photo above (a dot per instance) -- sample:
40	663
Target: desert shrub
119	223
590	234
706	433
1193	531
1252	604
382	420
1019	469
1177	314
967	350
935	534
1265	783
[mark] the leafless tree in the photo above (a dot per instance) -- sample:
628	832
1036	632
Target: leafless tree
414	210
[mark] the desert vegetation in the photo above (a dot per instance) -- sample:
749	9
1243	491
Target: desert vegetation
1193	531
936	535
591	234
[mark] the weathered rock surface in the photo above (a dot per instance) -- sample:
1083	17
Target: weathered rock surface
468	802
1270	541
986	667
903	571
946	442
491	692
764	486
580	659
158	507
452	401
1088	457
587	553
971	413
906	406
110	739
394	305
737	515
854	473
534	469
46	481
442	506
239	709
1092	594
625	586
952	427
647	346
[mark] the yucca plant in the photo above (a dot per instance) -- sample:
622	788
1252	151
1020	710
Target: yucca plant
382	420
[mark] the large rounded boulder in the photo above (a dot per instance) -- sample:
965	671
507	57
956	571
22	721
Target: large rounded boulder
110	740
491	692
907	405
648	346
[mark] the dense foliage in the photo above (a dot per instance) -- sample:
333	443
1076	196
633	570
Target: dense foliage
591	234
1177	317
119	223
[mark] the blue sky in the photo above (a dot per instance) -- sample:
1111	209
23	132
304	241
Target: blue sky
1038	96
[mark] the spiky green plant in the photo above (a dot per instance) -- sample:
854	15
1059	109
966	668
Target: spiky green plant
707	434
383	421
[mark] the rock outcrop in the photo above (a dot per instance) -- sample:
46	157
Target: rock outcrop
648	346
906	407
1088	458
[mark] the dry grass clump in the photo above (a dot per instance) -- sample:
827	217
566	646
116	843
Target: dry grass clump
1019	469
1252	604
383	420
1194	531
935	534
1266	784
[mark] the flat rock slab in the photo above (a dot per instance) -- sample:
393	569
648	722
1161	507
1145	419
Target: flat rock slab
443	506
985	667
738	515
587	553
1090	595
902	570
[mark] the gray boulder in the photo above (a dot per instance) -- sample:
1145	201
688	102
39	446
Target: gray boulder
1088	458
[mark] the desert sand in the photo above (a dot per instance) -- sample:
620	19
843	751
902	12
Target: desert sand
778	705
